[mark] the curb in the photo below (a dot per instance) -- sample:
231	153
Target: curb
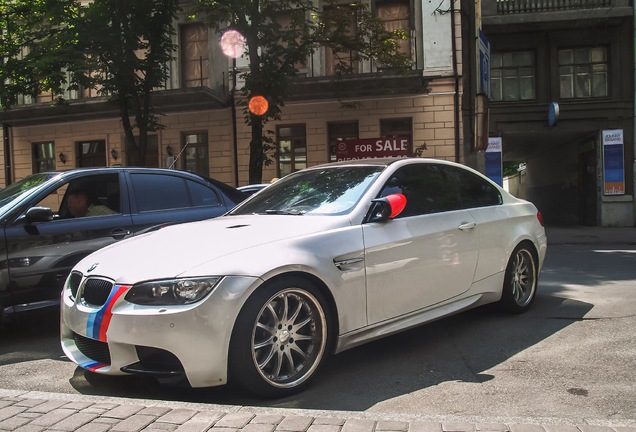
39	411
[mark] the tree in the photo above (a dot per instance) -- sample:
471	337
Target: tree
37	41
126	48
280	35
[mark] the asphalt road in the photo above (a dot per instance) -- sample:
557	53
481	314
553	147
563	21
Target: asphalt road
573	356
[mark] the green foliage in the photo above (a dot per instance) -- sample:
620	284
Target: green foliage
118	48
37	40
126	47
510	168
280	35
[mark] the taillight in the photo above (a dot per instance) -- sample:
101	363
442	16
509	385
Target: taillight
540	218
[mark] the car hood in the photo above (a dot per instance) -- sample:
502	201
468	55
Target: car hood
175	250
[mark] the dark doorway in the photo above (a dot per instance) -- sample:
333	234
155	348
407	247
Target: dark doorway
587	188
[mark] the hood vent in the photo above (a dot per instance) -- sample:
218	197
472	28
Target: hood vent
237	226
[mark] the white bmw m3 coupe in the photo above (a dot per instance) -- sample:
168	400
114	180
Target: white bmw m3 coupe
319	262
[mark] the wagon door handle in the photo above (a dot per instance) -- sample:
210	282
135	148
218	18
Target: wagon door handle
467	226
119	233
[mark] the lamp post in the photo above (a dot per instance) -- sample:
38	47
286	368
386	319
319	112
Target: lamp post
233	45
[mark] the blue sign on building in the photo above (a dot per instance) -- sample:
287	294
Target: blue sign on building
484	65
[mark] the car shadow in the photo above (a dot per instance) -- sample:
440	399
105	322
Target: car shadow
32	335
460	348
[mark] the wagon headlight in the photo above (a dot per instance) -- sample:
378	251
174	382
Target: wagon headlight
171	291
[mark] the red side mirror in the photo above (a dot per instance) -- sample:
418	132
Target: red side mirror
397	202
386	208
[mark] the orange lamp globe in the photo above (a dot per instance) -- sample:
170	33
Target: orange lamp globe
258	105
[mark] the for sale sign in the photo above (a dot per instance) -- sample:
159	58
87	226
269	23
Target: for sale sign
371	148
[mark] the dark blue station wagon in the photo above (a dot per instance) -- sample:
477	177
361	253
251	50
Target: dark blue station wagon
42	240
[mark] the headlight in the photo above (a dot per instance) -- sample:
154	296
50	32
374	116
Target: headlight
171	291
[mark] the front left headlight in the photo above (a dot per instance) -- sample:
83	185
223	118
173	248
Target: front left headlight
171	291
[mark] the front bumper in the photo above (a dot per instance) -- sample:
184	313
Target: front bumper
118	337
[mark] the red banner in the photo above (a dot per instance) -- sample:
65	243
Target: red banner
370	148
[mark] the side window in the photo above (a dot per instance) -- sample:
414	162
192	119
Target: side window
474	191
426	188
202	196
96	195
159	192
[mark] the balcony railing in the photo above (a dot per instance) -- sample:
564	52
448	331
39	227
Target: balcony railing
531	6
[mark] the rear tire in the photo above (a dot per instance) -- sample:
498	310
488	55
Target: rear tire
280	338
520	281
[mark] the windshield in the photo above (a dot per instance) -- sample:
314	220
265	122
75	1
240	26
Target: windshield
327	191
22	187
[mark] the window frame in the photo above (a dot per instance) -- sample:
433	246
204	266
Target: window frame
202	78
334	135
334	65
96	152
293	152
519	77
37	159
389	129
574	87
152	150
198	164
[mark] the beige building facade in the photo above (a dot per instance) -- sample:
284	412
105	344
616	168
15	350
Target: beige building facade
199	136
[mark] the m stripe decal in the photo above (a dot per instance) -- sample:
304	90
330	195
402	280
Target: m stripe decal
98	322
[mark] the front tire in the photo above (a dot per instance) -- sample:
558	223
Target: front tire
520	281
280	339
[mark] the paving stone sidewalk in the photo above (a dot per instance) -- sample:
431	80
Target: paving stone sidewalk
38	411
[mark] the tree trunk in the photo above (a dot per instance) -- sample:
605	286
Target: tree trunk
256	152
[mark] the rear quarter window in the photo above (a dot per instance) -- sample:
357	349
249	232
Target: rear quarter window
474	190
160	192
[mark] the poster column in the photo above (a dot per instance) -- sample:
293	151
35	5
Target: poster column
494	160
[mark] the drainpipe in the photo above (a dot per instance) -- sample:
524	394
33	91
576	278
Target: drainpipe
634	131
7	154
455	74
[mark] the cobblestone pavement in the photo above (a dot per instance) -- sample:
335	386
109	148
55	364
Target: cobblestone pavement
39	411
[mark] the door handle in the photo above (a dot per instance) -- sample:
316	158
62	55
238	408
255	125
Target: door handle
467	226
119	233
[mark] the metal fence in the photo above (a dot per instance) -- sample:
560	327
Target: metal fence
529	6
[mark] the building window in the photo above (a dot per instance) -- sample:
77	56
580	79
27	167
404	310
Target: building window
583	72
195	62
43	156
340	131
292	148
151	158
290	24
195	152
395	15
91	153
512	76
339	60
397	128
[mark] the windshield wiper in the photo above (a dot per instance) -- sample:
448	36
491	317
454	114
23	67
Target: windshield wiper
282	212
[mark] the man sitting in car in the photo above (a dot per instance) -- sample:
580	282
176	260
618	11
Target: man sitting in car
79	205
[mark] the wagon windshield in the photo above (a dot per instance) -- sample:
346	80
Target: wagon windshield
326	191
16	191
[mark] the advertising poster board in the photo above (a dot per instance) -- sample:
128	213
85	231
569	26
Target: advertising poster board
613	162
494	160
